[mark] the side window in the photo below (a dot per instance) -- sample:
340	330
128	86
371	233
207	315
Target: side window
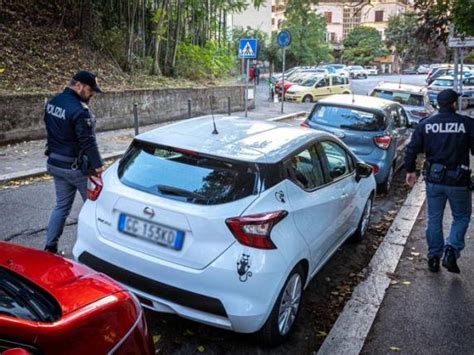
306	169
337	159
403	117
323	83
394	116
337	80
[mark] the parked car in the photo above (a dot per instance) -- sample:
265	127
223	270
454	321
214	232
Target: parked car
219	228
339	69
376	130
51	305
357	71
413	98
447	82
296	78
315	88
423	69
371	69
410	71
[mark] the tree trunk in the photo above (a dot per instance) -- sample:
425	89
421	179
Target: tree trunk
176	37
155	69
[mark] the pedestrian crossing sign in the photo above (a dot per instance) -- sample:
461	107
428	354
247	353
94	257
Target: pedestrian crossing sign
248	48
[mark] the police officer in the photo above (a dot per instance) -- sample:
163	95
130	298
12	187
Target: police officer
71	148
446	139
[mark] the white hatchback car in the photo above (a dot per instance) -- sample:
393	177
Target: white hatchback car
227	226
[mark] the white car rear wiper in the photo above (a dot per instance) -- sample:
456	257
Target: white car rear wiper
171	190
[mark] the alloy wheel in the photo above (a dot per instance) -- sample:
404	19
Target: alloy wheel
366	217
290	303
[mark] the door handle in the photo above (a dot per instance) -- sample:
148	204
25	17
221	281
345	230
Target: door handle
344	195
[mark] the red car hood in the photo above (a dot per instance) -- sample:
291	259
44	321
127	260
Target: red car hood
71	284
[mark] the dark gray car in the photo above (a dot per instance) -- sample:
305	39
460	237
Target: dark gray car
376	130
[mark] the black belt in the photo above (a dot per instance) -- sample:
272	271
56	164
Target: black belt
63	158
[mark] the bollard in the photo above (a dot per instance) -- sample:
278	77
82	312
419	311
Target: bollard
189	108
135	117
228	105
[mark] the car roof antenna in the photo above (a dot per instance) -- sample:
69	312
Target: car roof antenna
400	83
353	97
212	99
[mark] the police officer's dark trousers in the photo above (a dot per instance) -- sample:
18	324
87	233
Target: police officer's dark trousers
459	198
66	183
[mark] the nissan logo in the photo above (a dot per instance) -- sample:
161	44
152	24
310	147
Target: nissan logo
150	212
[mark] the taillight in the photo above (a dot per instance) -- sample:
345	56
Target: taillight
254	230
383	142
375	168
94	187
305	125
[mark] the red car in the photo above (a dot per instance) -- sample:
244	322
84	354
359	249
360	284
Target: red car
52	305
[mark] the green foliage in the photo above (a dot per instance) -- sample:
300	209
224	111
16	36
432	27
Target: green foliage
469	58
437	15
113	41
363	45
308	31
210	61
401	35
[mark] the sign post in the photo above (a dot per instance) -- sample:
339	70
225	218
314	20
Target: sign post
283	40
247	50
459	42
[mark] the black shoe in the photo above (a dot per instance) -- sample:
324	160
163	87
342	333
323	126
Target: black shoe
51	248
449	260
433	264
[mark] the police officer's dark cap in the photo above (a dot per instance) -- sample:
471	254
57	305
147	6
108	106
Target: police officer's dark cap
447	97
88	78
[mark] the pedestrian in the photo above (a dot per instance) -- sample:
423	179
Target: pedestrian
446	138
252	73
257	74
71	148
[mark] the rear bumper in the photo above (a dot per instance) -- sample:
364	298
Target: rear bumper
216	295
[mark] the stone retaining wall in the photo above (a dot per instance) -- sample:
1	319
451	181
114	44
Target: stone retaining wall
21	116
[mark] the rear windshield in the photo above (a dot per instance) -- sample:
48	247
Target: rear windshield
405	98
186	176
21	299
443	82
347	118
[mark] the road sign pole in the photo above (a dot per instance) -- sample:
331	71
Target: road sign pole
283	81
461	54
456	71
246	86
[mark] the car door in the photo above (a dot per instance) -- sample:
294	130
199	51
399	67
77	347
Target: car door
339	85
401	132
341	170
321	89
315	202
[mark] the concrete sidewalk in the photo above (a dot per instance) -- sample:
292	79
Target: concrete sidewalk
425	312
27	159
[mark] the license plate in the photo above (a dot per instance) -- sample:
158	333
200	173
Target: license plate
150	231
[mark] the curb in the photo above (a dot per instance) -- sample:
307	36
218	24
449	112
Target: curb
348	334
5	178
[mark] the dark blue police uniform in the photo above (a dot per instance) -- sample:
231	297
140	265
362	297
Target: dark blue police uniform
72	151
447	139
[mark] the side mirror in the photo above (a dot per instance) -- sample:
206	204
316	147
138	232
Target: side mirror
362	170
412	124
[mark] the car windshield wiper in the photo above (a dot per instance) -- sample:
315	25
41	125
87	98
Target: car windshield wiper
171	190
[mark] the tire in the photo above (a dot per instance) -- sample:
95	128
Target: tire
365	76
308	98
364	222
281	321
387	184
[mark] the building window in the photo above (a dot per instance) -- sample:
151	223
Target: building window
328	17
273	8
379	16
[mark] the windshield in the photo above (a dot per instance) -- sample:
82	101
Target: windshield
405	98
309	82
186	176
347	118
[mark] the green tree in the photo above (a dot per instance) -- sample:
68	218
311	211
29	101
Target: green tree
401	37
363	45
308	31
437	15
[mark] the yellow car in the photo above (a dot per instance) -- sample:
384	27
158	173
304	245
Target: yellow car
318	87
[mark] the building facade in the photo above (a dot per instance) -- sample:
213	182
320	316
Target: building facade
259	19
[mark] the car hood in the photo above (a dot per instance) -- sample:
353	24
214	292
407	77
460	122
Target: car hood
71	284
298	89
